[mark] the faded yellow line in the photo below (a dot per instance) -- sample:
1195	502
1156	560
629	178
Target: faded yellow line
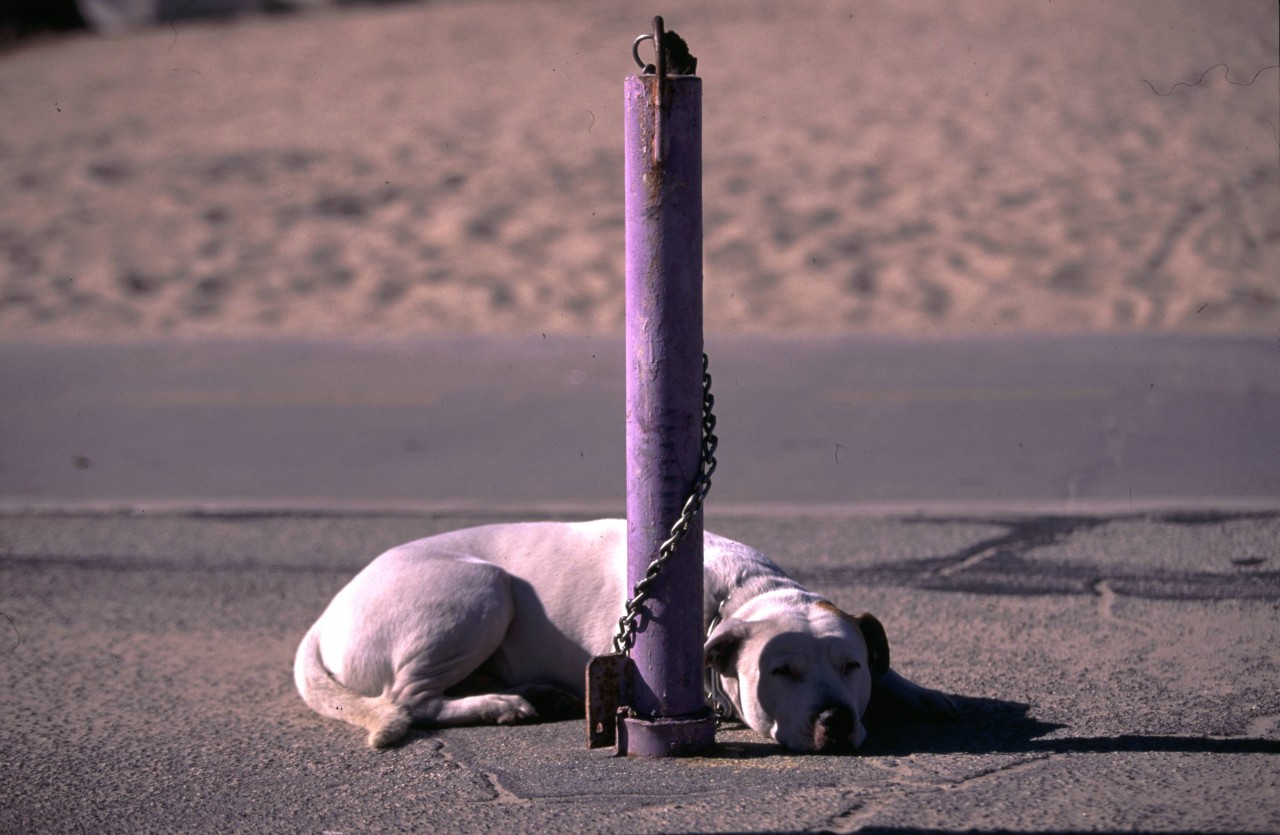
997	394
298	397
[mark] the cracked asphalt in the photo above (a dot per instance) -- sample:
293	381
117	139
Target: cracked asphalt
1113	672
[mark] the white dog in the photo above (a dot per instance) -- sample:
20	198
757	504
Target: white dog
478	626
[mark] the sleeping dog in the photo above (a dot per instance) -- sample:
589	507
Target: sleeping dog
478	626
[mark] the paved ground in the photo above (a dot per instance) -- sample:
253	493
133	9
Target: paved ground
1116	673
173	518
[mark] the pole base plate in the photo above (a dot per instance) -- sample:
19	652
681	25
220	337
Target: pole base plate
662	737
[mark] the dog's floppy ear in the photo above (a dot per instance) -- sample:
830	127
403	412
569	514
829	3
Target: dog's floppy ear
877	641
722	648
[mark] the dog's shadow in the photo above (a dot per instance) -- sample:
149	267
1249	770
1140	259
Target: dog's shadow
982	726
995	726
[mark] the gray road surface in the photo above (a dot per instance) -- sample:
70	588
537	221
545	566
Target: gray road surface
1064	423
164	544
1115	674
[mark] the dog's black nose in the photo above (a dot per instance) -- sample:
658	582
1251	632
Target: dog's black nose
833	729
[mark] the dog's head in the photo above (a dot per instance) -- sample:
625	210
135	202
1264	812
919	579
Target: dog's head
801	676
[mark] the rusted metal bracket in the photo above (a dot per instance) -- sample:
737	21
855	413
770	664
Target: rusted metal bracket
610	679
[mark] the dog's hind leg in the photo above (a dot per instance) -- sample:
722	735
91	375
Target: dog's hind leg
546	702
527	703
485	709
552	703
400	636
419	688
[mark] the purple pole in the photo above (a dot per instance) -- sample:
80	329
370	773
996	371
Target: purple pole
664	409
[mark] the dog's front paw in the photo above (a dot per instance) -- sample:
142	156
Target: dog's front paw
893	695
934	705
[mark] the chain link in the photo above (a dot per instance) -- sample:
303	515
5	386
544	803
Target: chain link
629	622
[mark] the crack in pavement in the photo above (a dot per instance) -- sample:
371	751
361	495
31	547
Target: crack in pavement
1000	565
1106	608
503	794
490	780
866	808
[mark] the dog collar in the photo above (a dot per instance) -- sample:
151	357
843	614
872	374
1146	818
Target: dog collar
721	703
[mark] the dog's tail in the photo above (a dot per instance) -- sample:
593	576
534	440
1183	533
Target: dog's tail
386	722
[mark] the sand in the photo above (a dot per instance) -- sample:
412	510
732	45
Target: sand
415	169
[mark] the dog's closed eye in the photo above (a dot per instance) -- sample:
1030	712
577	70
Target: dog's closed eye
787	671
850	667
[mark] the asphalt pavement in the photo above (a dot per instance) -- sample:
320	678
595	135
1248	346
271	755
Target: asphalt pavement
1113	674
173	518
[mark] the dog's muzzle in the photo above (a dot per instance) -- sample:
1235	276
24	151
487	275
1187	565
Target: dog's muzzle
833	730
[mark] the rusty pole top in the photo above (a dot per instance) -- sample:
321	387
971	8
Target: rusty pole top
671	57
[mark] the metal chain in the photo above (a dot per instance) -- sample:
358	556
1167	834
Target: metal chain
629	622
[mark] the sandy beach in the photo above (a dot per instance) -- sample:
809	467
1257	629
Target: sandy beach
447	168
